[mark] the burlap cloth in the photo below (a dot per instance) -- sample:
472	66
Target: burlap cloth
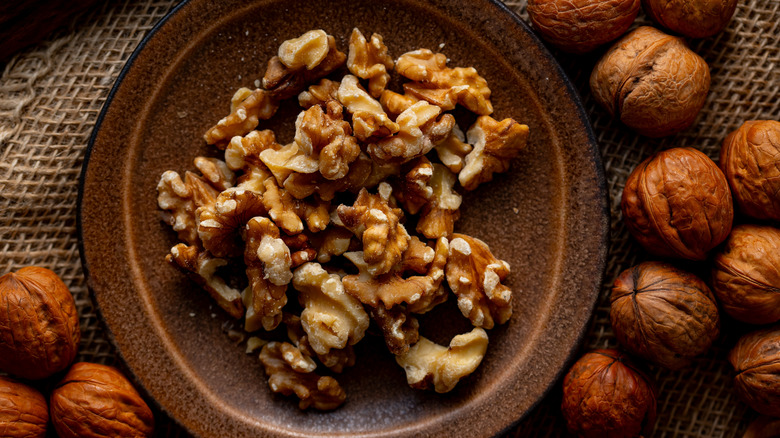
51	94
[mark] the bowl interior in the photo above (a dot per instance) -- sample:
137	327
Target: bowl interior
546	217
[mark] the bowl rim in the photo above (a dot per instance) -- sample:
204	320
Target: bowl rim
593	152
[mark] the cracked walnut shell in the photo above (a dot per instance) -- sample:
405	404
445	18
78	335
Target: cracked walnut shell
652	82
606	396
749	158
746	274
756	360
39	324
331	318
475	276
322	393
677	203
23	410
663	314
429	364
97	401
579	26
495	144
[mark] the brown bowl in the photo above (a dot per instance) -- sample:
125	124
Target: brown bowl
547	217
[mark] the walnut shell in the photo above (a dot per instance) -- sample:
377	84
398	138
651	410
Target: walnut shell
756	359
663	314
693	18
579	26
606	396
23	411
97	401
39	324
677	203
652	82
746	274
749	160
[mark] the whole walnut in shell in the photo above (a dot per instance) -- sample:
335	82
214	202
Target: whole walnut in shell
749	159
756	360
746	274
579	26
97	401
23	411
606	396
677	203
39	325
693	18
651	82
663	314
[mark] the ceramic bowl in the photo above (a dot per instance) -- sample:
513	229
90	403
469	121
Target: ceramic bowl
547	217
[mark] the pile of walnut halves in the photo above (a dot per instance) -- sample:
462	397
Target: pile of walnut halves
326	217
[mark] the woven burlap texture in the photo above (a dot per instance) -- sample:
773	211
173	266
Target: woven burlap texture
51	94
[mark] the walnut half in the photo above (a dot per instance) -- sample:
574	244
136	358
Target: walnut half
475	276
427	363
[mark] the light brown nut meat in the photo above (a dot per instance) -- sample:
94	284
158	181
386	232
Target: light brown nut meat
300	249
268	263
411	189
369	120
322	393
475	276
290	213
319	94
334	241
369	60
495	145
258	105
398	327
302	185
216	172
326	137
335	359
201	267
378	226
23	410
438	216
308	50
437	293
181	198
419	291
243	153
220	223
429	364
394	103
331	318
453	150
288	160
283	82
443	86
419	131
